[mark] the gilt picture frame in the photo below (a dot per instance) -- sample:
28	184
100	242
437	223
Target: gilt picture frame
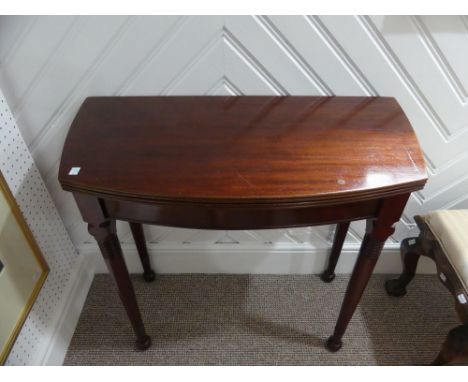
23	270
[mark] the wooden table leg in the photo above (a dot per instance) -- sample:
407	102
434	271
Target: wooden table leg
139	237
377	232
105	233
340	234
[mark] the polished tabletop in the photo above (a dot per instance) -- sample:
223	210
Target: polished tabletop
261	149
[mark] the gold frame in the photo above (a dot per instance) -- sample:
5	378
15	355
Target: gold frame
5	190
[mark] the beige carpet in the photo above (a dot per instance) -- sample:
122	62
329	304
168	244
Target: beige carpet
261	320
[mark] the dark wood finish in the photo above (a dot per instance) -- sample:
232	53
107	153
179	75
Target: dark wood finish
410	250
241	163
455	346
242	149
235	217
139	237
340	235
104	232
377	232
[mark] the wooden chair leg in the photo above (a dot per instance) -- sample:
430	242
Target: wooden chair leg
462	311
410	251
139	237
340	234
454	347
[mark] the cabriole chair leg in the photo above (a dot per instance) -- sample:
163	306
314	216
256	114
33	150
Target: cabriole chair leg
454	347
410	252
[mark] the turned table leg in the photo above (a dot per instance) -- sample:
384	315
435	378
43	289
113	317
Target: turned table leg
104	232
139	237
105	235
377	232
340	234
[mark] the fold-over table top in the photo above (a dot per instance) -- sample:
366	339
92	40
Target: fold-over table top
260	149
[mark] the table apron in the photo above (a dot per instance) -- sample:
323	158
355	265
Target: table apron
237	217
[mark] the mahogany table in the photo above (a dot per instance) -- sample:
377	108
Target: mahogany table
236	163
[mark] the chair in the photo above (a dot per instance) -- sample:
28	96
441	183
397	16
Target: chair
444	238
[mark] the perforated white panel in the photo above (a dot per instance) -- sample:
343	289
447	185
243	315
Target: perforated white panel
46	225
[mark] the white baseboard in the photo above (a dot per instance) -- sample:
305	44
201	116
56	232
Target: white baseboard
254	261
64	325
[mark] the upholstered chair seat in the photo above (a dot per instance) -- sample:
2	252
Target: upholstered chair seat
450	228
443	238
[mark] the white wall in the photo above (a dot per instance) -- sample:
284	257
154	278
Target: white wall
44	337
48	65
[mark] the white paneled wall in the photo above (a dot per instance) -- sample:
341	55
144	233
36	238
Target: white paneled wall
48	65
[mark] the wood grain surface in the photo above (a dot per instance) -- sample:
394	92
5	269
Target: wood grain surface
242	149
